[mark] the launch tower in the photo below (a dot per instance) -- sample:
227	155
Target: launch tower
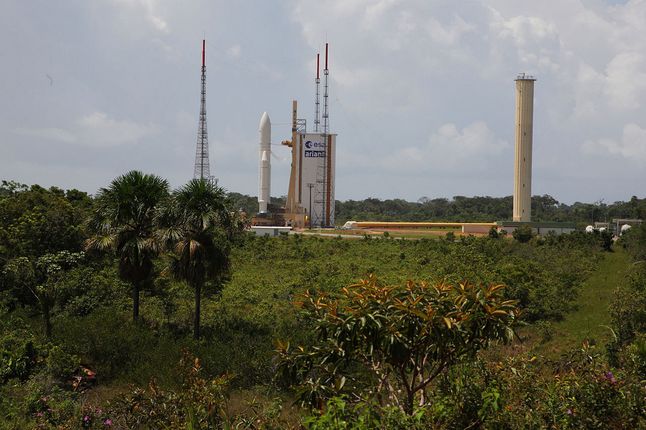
310	197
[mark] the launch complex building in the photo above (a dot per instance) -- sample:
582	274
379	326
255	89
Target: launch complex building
311	190
310	195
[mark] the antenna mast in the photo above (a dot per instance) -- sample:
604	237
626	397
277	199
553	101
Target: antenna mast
202	169
326	126
317	112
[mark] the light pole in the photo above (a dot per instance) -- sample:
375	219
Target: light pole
310	186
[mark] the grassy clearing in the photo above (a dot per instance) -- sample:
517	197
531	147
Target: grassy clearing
591	319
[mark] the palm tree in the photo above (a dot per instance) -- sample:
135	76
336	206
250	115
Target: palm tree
123	221
200	229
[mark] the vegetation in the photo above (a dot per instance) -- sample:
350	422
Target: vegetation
460	208
199	227
123	222
383	340
383	352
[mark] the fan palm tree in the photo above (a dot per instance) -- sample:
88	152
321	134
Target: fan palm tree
200	229
123	221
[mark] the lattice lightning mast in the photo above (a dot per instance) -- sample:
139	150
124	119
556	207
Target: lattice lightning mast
202	169
317	102
328	149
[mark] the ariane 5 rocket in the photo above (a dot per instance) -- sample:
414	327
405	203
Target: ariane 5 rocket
264	169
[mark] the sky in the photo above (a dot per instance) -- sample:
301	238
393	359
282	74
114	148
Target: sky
421	92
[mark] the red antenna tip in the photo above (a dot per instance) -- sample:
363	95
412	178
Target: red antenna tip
203	49
325	55
318	67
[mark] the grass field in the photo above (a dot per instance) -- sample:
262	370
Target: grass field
589	322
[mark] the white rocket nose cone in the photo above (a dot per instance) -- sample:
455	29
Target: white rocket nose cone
264	122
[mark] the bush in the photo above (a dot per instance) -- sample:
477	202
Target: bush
634	241
392	341
200	403
61	365
115	347
628	308
523	233
48	404
340	414
577	391
19	350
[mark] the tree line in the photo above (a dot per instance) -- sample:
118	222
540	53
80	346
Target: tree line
136	219
461	208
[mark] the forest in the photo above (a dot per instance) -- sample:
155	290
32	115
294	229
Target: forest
468	209
146	307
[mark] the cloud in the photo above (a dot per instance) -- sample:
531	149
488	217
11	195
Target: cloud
150	9
450	147
234	51
417	88
632	144
55	134
473	140
625	80
99	130
96	130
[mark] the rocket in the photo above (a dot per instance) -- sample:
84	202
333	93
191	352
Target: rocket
264	170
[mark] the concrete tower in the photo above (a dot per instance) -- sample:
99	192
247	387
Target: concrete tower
523	157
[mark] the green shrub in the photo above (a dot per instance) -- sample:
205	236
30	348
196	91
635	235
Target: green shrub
628	308
115	347
47	403
18	350
60	364
200	403
523	233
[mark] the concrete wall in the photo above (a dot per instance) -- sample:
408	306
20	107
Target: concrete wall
270	230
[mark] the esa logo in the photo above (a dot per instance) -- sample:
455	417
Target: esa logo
309	144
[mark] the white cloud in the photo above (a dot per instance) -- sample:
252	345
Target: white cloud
451	33
52	133
408	78
94	130
97	129
473	140
150	9
632	144
449	148
626	80
535	40
234	51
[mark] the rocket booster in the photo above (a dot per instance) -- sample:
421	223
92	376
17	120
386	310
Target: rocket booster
264	170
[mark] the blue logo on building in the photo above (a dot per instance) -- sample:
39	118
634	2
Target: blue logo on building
309	144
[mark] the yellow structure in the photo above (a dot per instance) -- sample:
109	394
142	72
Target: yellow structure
523	153
466	227
294	213
310	196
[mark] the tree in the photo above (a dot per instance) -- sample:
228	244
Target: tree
634	241
385	340
35	221
523	233
49	270
42	278
199	227
123	221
